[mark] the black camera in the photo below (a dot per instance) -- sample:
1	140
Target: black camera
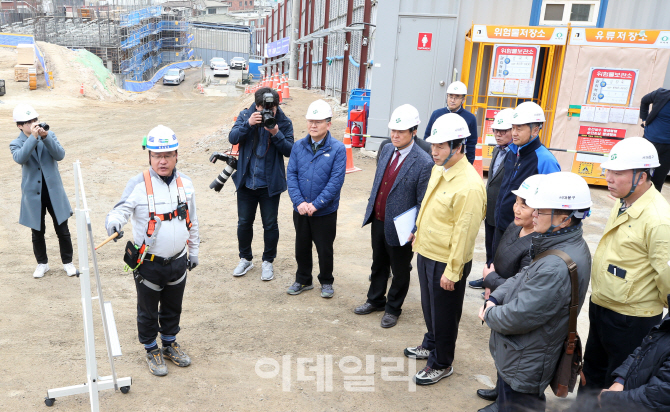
231	166
269	120
44	126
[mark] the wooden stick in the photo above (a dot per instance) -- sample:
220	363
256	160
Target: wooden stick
109	239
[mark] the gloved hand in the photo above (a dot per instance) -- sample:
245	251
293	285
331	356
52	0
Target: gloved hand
192	262
114	227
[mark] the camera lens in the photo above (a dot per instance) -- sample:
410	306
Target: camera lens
44	126
270	122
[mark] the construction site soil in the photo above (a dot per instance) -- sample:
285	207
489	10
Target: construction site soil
228	324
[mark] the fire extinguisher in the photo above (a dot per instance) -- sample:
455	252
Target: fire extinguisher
356	132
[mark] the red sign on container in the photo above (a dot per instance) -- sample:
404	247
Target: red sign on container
425	41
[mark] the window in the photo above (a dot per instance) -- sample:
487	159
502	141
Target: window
562	12
240	4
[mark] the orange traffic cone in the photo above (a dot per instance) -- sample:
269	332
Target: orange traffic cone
275	81
478	161
350	155
285	92
81	90
235	150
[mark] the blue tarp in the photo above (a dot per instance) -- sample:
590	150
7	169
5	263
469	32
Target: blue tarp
138	86
13	40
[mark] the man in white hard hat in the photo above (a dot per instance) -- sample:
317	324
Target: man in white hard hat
527	156
630	277
38	152
502	131
399	185
529	313
447	225
456	92
160	203
315	176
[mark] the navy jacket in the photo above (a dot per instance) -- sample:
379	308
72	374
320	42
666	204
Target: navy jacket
317	178
656	122
470	119
646	373
521	162
407	190
280	146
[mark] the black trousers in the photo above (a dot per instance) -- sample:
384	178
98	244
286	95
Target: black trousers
490	231
510	400
612	337
160	311
441	311
661	172
62	231
384	259
320	231
247	202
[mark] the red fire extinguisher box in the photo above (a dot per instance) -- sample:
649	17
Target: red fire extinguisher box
358	126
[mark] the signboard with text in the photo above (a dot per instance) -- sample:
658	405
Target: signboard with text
519	34
425	41
612	87
653	39
513	70
598	140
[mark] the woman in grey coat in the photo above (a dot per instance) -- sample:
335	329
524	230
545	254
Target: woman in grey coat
38	152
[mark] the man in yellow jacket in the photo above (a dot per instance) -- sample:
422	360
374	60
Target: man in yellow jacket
450	216
630	278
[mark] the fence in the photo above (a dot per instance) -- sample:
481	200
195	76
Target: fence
13	40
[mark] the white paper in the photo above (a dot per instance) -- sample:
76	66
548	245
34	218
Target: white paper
631	115
404	224
602	114
616	114
587	113
496	85
526	88
511	86
490	140
581	157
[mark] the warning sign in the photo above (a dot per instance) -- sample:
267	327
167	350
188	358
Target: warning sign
513	70
613	87
488	140
585	169
425	41
596	140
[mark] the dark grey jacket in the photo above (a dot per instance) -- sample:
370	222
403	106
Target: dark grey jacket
658	98
493	184
530	323
512	255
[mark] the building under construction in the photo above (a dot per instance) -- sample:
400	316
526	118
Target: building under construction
133	39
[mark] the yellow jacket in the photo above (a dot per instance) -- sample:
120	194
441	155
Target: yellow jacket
451	214
637	242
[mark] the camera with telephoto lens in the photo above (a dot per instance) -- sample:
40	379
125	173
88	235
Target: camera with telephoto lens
44	126
231	166
269	120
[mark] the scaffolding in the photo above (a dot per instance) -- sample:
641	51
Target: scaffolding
133	38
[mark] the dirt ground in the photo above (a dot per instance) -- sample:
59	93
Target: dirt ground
248	339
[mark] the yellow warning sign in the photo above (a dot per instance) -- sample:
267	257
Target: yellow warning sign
585	168
488	151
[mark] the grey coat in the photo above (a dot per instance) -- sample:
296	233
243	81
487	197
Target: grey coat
35	164
493	184
530	323
407	190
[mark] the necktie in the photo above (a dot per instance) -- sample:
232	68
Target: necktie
394	163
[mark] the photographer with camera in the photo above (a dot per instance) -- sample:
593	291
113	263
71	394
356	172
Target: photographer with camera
38	152
265	135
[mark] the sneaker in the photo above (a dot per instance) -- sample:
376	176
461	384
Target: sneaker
268	272
297	288
418	352
243	267
176	354
429	376
70	269
156	363
327	291
477	284
41	269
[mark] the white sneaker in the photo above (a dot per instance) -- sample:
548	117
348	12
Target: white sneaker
70	269
268	272
243	267
42	268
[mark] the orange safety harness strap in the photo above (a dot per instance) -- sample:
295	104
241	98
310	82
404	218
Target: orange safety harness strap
181	198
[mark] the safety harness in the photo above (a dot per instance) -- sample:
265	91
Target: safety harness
155	220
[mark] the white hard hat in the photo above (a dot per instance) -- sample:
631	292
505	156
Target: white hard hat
24	112
404	117
502	120
528	112
561	190
319	110
632	153
528	187
162	139
448	127
457	88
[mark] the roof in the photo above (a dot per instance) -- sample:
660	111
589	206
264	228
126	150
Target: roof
214	3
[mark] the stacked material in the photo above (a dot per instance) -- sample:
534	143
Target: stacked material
25	60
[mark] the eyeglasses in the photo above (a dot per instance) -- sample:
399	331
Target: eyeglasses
316	122
455	97
163	157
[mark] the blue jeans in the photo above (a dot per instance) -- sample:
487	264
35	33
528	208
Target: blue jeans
247	202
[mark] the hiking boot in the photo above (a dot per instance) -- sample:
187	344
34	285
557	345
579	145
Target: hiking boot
41	269
327	291
477	284
70	269
297	288
418	352
156	363
429	376
176	354
243	267
268	272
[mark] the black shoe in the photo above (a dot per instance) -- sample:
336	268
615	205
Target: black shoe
389	321
490	408
367	308
488	394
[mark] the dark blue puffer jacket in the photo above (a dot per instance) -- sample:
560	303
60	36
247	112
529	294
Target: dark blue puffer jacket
317	178
521	162
470	119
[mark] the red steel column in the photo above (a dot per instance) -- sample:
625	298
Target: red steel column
299	35
283	64
362	70
345	66
311	47
305	46
325	46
